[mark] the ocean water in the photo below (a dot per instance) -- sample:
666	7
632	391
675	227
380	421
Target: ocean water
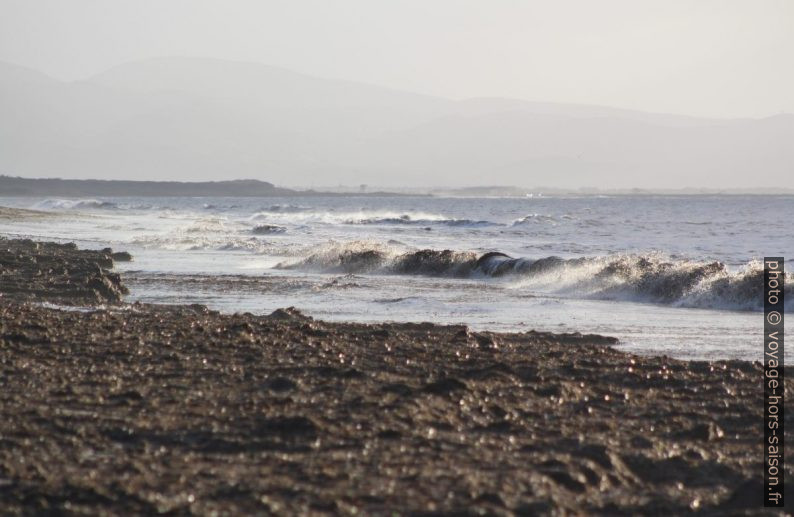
674	275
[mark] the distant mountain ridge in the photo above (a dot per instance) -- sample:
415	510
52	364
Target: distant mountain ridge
191	118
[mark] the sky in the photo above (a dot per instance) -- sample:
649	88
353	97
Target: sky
714	58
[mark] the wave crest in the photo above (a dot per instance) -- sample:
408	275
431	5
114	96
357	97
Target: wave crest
406	219
76	204
298	215
639	278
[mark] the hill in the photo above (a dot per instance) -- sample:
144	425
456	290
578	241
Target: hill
204	119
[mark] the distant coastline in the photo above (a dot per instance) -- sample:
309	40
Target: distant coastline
14	186
33	187
512	191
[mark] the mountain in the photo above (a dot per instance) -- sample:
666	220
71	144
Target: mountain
205	119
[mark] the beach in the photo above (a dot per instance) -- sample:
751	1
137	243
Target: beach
113	407
396	258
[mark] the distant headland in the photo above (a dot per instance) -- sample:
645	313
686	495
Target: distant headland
16	186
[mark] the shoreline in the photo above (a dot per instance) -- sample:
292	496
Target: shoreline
17	186
135	408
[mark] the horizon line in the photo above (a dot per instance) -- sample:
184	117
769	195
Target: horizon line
430	189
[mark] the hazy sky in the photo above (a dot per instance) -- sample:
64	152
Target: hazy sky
721	58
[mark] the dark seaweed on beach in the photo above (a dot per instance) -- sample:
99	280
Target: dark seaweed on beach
143	409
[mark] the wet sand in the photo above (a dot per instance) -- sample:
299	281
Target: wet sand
142	409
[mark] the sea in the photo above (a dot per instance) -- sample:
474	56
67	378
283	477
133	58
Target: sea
680	276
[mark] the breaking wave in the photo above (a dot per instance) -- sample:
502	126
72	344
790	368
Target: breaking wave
216	234
187	242
90	204
535	219
300	215
76	204
639	278
409	220
268	229
290	209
